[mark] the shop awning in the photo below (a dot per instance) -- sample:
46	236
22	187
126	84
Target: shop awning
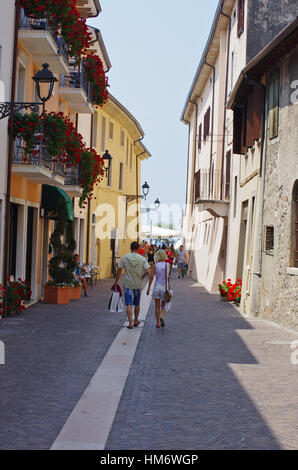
51	198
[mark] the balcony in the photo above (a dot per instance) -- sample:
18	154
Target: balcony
208	192
71	184
39	167
43	43
75	90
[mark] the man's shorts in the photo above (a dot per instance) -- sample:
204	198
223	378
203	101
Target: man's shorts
132	297
181	265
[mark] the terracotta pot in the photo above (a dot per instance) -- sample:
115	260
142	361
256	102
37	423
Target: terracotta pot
75	293
56	295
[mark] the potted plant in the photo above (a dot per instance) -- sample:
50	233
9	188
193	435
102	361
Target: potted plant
75	291
17	293
231	292
62	264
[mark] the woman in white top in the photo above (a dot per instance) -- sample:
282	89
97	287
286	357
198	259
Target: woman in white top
161	270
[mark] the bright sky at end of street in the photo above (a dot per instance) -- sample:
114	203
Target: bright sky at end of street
155	48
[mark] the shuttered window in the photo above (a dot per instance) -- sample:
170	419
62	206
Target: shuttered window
207	124
200	137
240	25
274	105
228	174
197	185
103	134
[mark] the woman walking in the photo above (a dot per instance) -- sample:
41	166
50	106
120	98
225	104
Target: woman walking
161	270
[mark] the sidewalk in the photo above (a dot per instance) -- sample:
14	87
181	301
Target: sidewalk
52	352
211	379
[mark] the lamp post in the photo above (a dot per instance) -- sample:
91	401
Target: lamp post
44	76
107	157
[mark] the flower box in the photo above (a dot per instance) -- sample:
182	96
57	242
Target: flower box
56	295
75	293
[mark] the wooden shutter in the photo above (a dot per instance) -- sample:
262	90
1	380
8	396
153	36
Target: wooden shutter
206	124
249	141
197	185
200	137
240	25
237	131
228	174
296	232
274	105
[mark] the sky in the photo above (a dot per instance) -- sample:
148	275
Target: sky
155	47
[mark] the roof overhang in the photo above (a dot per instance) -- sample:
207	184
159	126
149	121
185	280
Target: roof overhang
97	46
115	109
209	56
89	8
269	57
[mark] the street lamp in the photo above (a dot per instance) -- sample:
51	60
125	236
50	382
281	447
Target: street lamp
145	189
132	197
157	204
107	157
46	77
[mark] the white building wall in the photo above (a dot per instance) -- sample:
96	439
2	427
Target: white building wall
6	56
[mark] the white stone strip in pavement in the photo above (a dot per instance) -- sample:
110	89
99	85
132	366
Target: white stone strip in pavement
90	422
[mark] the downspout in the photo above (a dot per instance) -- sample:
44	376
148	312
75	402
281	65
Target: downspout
137	191
10	150
212	125
225	109
194	151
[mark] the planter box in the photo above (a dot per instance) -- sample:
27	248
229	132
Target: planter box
56	295
75	293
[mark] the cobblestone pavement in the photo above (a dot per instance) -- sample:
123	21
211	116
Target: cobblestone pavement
211	379
52	353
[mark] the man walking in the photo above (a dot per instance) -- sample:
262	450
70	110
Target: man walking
136	268
181	259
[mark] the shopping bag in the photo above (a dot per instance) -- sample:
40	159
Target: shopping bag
113	303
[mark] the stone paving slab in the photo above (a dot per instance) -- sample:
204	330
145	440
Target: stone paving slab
208	380
52	353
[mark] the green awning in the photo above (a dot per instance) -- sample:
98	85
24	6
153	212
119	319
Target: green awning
51	198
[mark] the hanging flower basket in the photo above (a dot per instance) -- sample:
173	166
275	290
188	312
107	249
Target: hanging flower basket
94	70
64	16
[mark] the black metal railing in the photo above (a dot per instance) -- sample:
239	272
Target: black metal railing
76	79
38	156
42	24
72	176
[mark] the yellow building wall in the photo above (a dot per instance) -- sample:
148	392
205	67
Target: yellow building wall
108	202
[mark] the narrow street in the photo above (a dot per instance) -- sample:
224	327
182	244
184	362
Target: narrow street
211	379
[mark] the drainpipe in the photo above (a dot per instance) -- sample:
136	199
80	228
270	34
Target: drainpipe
212	125
10	150
89	203
225	108
137	191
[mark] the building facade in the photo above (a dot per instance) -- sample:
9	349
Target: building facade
223	189
115	210
264	103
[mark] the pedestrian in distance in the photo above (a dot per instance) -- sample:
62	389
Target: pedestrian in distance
151	256
181	261
170	255
161	270
136	268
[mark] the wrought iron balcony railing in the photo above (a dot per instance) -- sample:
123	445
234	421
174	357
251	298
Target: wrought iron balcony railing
42	24
72	176
76	80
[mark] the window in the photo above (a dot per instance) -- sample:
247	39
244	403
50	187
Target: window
240	26
111	131
94	129
121	177
109	179
127	151
103	134
235	196
200	137
130	160
207	124
274	105
269	239
122	138
228	174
